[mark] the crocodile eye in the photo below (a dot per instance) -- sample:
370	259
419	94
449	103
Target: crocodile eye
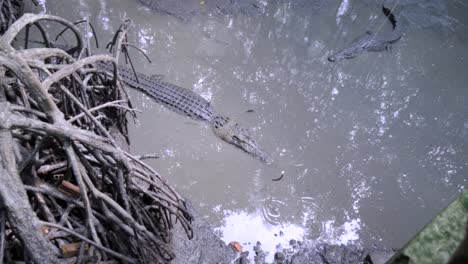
237	139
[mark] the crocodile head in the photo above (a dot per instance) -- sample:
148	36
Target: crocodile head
230	131
358	46
347	53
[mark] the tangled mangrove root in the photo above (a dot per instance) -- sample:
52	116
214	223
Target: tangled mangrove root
69	193
10	11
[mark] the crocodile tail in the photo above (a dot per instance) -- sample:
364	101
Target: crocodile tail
390	9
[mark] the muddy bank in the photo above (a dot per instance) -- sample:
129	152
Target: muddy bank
206	247
298	252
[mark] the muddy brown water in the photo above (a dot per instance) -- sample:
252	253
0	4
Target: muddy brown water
371	148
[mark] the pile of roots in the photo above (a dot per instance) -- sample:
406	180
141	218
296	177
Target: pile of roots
10	11
69	193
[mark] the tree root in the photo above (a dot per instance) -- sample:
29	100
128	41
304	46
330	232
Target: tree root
56	112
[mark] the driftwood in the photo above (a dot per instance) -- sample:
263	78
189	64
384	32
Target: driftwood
69	193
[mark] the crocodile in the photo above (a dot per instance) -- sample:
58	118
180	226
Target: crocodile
187	102
372	42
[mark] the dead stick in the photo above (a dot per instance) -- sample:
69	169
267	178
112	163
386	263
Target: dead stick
109	251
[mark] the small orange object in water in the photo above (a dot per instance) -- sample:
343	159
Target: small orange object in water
236	245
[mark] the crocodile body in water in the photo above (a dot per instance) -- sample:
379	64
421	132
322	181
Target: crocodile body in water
186	102
374	42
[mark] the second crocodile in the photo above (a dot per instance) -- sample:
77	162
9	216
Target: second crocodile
373	42
186	102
